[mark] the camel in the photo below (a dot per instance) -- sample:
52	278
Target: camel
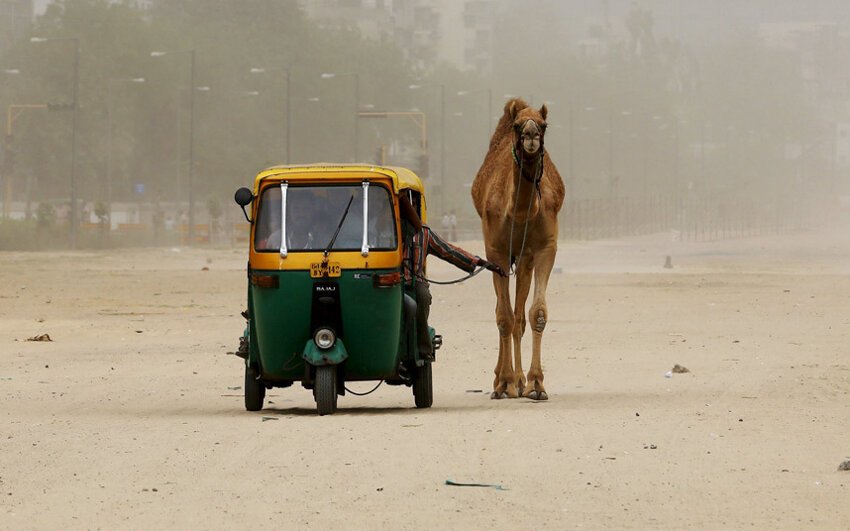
518	193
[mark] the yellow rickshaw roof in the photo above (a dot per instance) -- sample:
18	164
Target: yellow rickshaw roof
402	178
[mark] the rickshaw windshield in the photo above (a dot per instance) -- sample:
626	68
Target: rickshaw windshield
313	213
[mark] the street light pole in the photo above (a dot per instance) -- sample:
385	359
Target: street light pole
73	218
489	92
191	232
571	178
442	140
191	191
356	111
331	75
5	173
489	110
288	118
443	147
676	184
109	109
288	115
610	153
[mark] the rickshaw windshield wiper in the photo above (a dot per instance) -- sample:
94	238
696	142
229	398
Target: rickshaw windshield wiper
338	227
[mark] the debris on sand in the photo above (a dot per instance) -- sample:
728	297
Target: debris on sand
488	485
475	390
845	466
680	369
269	418
205	268
40	337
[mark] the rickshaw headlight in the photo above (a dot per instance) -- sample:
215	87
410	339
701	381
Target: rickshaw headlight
324	338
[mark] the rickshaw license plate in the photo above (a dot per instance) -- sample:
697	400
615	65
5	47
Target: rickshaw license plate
319	269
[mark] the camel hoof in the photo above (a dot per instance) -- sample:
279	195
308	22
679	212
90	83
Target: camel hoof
498	396
538	395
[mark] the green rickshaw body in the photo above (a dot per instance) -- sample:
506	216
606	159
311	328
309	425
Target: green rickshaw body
371	324
325	282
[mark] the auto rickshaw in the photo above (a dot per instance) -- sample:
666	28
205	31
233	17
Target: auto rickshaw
328	302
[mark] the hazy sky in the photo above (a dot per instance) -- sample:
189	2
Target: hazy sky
677	18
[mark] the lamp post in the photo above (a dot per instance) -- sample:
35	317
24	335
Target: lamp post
611	179
288	73
442	140
191	191
489	105
110	83
5	174
72	219
331	75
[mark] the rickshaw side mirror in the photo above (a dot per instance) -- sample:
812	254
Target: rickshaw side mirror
243	198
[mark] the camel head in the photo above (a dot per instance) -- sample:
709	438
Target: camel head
529	127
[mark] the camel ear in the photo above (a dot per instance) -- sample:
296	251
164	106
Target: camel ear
544	111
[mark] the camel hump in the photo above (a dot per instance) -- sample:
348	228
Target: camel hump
513	106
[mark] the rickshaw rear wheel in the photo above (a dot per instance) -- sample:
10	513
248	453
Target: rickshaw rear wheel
255	391
423	388
325	389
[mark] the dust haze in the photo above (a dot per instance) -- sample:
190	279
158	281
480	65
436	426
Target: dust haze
718	113
705	149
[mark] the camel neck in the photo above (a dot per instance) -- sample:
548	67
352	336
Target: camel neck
531	170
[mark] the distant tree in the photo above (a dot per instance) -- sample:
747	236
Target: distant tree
45	216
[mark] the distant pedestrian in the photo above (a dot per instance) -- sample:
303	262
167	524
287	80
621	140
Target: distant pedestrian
452	227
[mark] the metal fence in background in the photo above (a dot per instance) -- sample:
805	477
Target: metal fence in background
692	219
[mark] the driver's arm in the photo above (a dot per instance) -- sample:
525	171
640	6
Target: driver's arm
443	250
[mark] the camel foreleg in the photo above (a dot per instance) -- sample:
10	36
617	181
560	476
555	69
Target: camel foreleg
504	385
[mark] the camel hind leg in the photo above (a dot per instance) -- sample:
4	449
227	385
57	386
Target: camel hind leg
538	315
524	271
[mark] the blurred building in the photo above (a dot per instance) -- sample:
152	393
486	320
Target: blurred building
15	22
458	32
823	49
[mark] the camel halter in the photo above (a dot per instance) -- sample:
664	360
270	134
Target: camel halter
534	182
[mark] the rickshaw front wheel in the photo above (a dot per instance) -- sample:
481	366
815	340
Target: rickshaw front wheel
255	391
423	388
325	389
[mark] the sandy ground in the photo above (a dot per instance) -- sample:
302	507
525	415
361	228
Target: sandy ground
133	416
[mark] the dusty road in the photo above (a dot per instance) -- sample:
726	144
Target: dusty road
132	417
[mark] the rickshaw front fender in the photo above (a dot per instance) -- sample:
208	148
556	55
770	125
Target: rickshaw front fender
316	356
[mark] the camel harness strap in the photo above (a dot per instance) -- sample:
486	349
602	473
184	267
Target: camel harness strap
534	182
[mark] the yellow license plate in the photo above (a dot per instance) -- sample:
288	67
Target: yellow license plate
321	269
